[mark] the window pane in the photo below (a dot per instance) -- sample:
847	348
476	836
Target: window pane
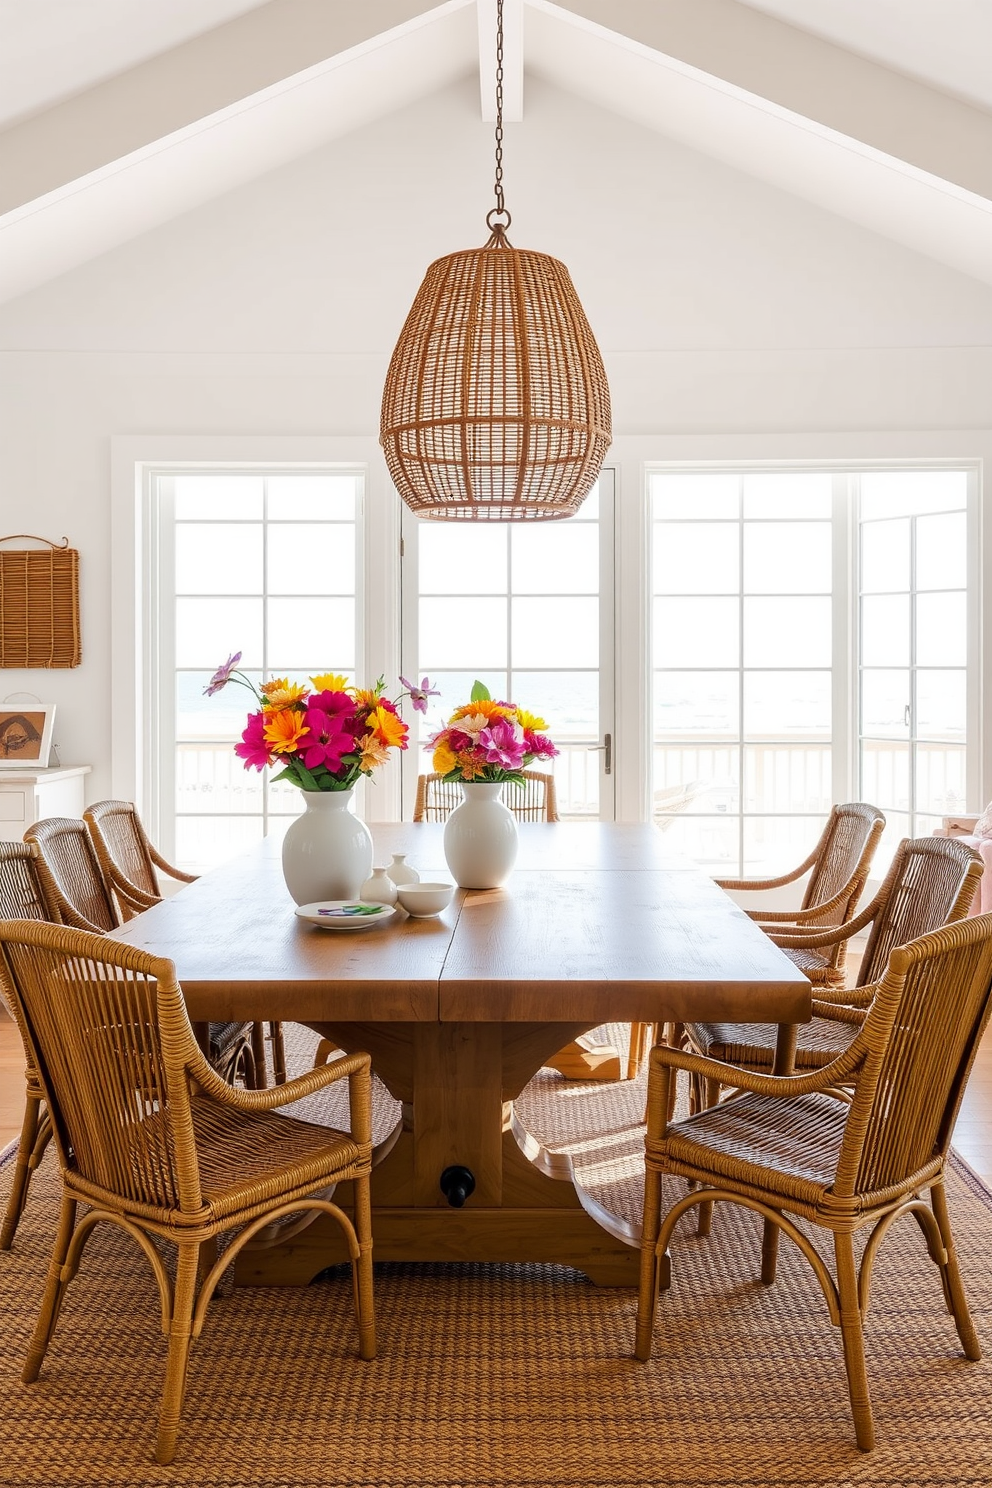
885	699
787	778
209	630
205	498
462	558
696	703
787	557
308	635
787	632
782	703
941	635
941	705
567	701
212	778
306	556
473	637
300	498
703	494
773	845
885	556
555	558
787	493
455	689
885	776
696	632
711	841
940	778
218	559
904	493
696	778
696	558
885	637
222	716
205	841
941	555
555	632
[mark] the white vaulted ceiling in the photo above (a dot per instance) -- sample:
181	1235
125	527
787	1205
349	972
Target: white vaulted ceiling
121	114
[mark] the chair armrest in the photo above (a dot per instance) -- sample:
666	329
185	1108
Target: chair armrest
837	1012
765	883
823	1079
278	1095
167	867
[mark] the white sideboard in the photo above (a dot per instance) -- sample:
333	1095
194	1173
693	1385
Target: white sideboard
28	795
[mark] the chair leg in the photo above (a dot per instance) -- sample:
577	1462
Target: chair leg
51	1302
361	1270
642	1036
852	1332
22	1170
647	1298
278	1053
951	1276
180	1330
260	1077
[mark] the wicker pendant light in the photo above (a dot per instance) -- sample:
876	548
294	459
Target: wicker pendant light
496	404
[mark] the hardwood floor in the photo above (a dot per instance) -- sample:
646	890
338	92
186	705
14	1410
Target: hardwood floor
972	1135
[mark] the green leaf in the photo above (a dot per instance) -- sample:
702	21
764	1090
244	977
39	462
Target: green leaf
480	693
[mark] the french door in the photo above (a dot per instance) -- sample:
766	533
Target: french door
528	609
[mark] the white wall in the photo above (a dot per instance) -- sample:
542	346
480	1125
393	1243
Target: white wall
724	308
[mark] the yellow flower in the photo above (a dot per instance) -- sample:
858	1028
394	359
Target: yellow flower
283	730
365	697
373	752
388	727
330	682
280	692
530	721
444	759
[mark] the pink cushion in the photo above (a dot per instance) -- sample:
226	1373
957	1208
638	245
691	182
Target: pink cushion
983	826
982	902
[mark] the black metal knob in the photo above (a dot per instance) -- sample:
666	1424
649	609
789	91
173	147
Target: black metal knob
456	1184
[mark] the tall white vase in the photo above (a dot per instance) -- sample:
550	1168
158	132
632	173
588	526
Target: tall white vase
480	837
326	852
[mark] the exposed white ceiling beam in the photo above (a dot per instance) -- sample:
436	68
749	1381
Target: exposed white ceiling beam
513	60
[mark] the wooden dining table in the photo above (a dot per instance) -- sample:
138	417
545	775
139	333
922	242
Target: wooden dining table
598	923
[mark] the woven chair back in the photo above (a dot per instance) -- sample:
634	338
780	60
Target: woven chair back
843	856
21	893
121	844
119	1104
73	882
922	1031
534	800
931	882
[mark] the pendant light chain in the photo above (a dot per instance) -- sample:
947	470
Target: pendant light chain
500	207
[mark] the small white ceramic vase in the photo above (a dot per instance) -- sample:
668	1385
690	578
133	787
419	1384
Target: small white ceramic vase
400	871
480	837
326	852
379	889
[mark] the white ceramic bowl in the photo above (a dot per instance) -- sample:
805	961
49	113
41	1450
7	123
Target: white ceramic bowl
422	899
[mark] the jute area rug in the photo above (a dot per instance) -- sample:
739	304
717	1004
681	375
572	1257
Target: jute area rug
493	1376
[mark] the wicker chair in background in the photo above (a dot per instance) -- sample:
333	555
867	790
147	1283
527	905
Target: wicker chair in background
21	898
117	1060
535	800
788	1147
77	894
131	864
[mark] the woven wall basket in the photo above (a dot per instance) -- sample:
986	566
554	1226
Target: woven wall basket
39	605
496	403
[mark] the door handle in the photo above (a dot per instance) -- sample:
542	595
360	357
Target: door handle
605	748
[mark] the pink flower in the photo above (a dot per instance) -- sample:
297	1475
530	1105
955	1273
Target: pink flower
330	737
419	695
540	745
222	675
503	743
254	751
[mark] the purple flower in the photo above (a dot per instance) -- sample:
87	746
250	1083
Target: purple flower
503	743
222	675
419	695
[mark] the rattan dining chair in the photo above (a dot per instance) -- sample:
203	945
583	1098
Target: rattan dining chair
77	894
131	863
119	1066
788	1149
931	882
21	898
534	800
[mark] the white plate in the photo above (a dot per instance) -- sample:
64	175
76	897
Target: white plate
326	914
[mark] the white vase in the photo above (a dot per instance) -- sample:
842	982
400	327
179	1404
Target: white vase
379	889
326	852
480	837
400	871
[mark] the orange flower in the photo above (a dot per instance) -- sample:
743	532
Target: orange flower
283	730
469	766
486	708
280	692
373	752
388	727
365	697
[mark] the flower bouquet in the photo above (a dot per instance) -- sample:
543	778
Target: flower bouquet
483	745
325	737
